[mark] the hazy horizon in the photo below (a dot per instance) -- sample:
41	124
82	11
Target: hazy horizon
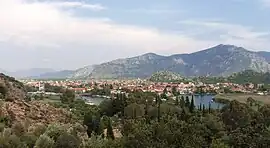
72	34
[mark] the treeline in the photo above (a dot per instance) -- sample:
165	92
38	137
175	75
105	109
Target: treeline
247	76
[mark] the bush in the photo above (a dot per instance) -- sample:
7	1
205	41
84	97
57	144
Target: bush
54	131
44	142
67	141
29	139
2	127
37	129
18	129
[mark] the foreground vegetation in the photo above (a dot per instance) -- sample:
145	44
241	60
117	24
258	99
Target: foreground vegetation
134	120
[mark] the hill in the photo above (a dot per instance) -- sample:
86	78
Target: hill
33	72
15	107
249	76
165	76
221	60
54	75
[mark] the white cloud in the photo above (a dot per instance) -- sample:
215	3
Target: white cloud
76	4
265	3
32	31
39	26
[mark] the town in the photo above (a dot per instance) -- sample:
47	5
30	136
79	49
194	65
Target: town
82	86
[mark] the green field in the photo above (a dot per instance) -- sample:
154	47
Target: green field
265	99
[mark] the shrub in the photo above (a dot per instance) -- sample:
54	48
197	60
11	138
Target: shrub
29	139
67	141
44	142
54	131
18	129
37	129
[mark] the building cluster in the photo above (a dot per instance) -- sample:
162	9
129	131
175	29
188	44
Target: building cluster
144	85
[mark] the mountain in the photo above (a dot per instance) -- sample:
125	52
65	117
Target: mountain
221	60
265	54
140	66
30	72
55	75
82	73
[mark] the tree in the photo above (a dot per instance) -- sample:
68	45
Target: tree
88	121
68	96
176	101
187	103
110	133
158	103
182	102
192	105
174	91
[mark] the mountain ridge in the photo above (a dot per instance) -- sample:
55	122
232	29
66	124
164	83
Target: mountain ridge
220	60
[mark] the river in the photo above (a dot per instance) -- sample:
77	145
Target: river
203	100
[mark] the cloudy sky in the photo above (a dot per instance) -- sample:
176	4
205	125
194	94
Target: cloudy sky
72	34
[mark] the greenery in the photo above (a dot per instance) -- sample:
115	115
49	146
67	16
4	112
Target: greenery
166	76
243	77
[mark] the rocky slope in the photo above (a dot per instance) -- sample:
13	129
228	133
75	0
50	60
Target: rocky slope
11	89
221	60
82	73
14	107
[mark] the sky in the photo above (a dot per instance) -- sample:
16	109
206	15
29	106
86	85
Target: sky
72	34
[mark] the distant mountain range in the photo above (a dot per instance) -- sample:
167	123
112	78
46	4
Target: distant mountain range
221	60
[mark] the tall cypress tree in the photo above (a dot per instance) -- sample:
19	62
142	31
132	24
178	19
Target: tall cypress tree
192	105
159	101
182	102
203	109
110	130
209	107
187	103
